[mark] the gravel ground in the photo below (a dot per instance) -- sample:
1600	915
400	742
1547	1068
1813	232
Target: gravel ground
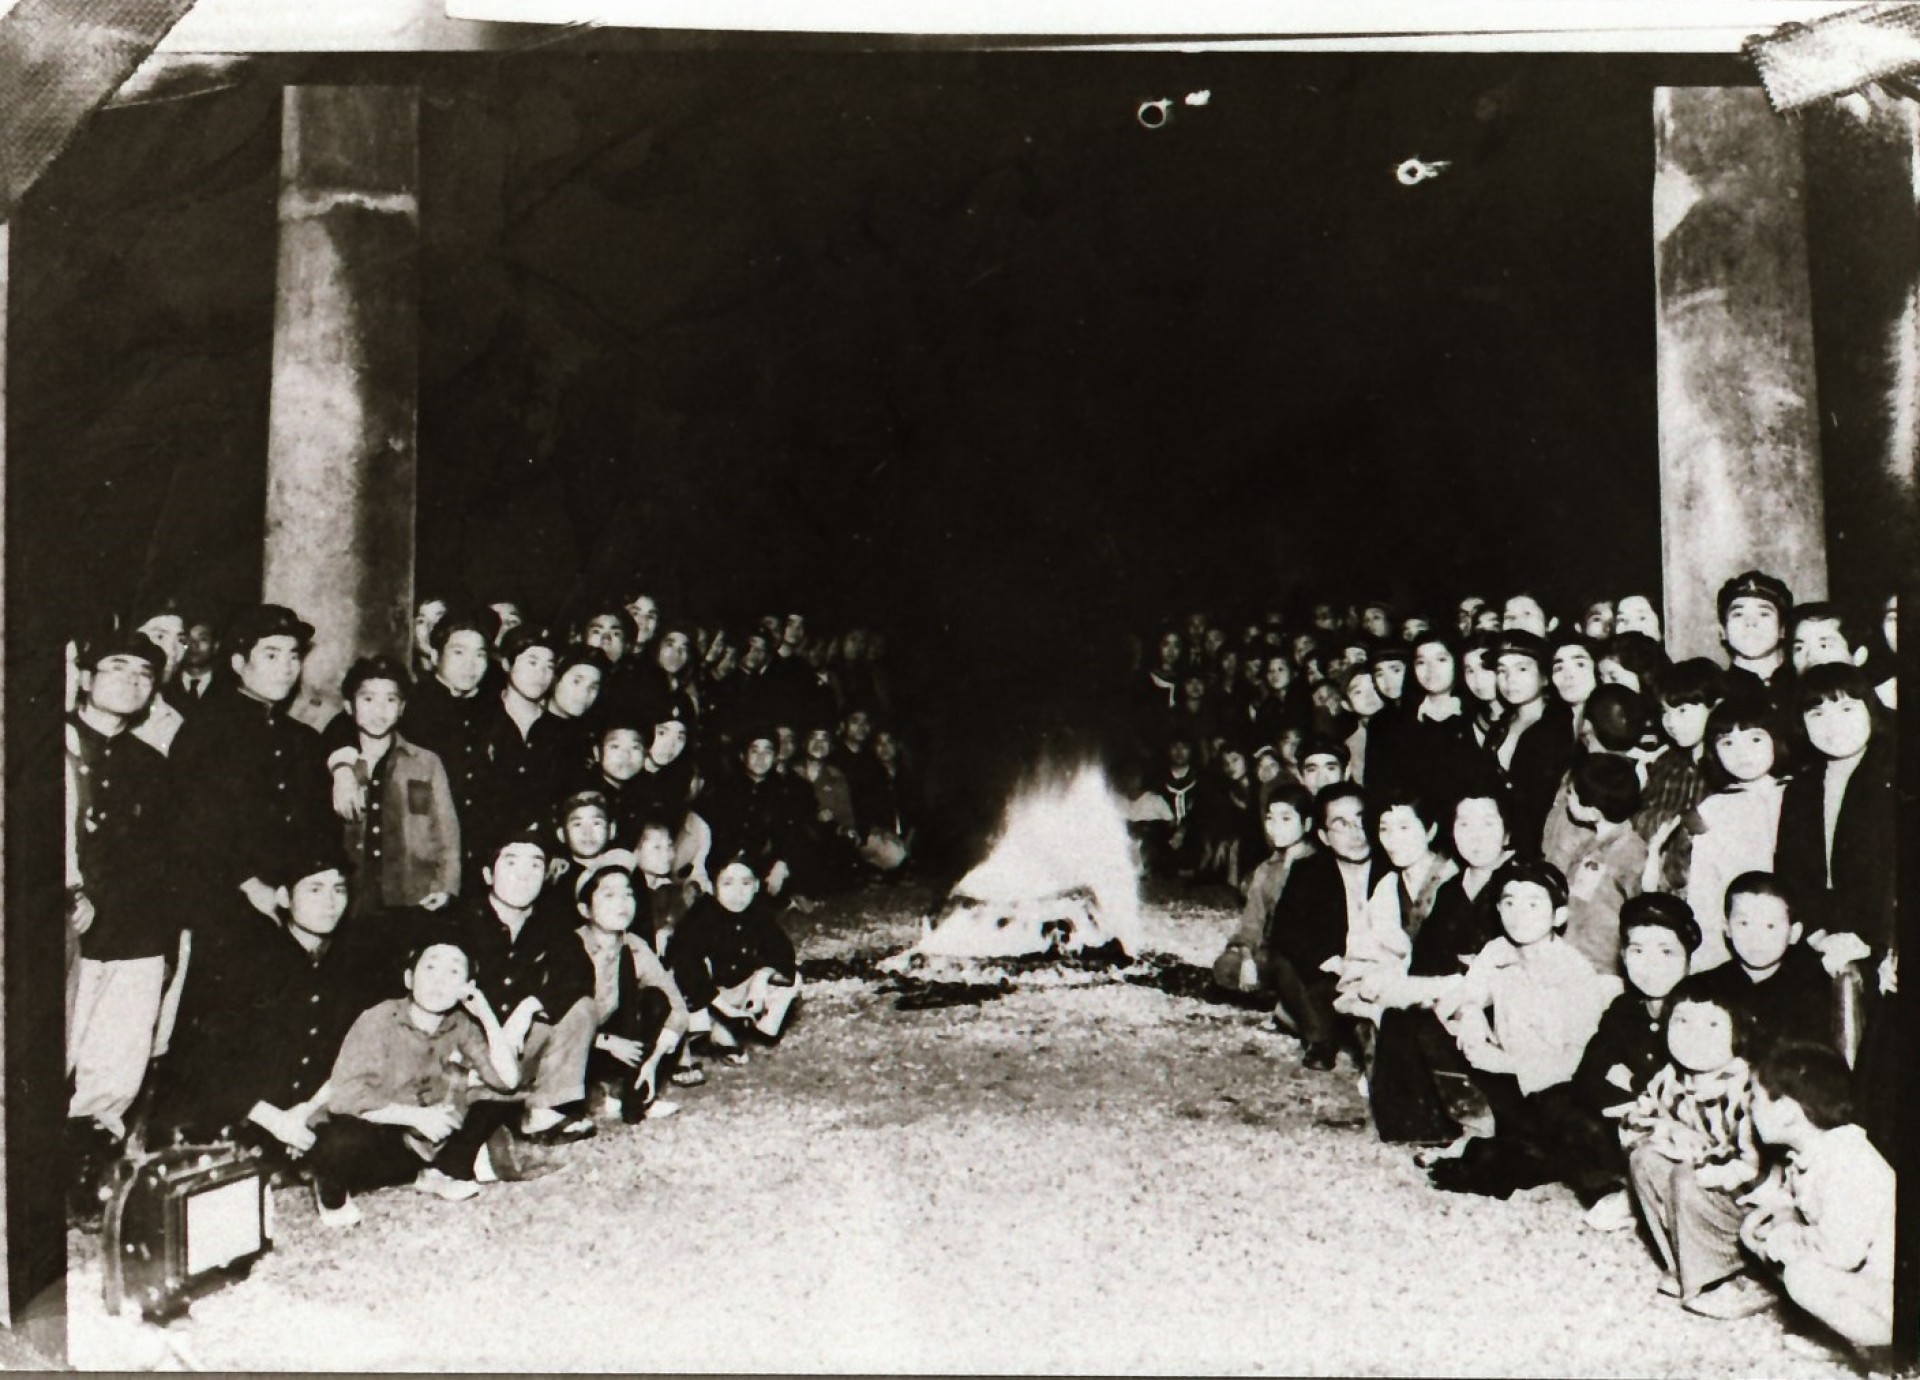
1080	1175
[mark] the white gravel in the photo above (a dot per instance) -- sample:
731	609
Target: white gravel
1092	1178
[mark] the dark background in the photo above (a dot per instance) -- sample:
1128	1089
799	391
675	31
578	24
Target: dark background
944	342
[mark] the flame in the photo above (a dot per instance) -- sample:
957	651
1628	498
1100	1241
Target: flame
1062	856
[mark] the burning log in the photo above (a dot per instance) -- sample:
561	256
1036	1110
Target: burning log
1061	879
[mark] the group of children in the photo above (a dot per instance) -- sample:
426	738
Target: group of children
1579	913
522	884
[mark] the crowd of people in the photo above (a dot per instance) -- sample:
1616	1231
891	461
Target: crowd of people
1577	912
527	880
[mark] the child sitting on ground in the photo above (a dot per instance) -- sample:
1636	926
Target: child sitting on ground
1776	978
1691	1153
1658	935
641	1015
1522	1015
398	1093
734	964
1246	965
1828	1222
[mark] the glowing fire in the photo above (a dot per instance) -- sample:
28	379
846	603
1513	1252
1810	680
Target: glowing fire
1062	876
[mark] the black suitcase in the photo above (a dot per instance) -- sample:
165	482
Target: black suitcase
181	1222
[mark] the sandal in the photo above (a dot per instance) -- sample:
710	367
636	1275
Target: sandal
735	1058
689	1076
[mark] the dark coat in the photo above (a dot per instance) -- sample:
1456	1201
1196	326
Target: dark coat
1310	919
252	791
1544	753
1861	897
124	837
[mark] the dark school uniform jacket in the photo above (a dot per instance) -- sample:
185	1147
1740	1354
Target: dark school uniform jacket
449	728
124	839
261	1020
544	960
1542	756
251	787
1628	1047
713	948
1794	1003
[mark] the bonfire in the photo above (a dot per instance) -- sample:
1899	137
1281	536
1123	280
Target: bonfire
1062	879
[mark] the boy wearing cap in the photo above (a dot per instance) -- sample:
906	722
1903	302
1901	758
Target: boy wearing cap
249	779
1754	610
119	904
166	629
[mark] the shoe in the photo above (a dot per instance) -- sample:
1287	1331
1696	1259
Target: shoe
1320	1056
1739	1297
1669	1285
505	1159
660	1109
688	1076
550	1126
449	1190
1612	1213
735	1058
341	1218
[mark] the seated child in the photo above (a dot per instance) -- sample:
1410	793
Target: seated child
398	1095
1691	1154
1522	1015
734	964
1828	1222
641	1015
1776	978
1246	965
1657	938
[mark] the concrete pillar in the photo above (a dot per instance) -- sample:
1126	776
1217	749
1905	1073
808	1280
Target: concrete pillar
1863	245
1740	481
342	415
33	1263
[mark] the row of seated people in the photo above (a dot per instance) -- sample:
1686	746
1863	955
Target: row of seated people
1685	962
166	844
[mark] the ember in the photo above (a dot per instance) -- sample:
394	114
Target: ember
1062	878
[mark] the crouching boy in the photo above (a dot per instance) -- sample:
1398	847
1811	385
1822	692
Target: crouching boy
1827	1224
398	1095
642	1016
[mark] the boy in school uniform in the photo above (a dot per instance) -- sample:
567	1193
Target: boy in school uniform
530	967
1755	609
444	712
120	904
1776	978
249	779
1535	744
265	1008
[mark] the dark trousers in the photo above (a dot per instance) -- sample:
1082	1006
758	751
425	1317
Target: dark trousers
1550	1137
644	1025
353	1156
1307	1000
1419	1085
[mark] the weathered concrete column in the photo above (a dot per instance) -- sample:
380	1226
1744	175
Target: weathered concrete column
1863	247
341	428
1740	482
